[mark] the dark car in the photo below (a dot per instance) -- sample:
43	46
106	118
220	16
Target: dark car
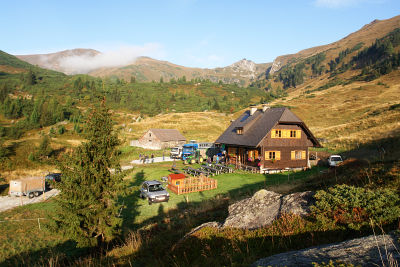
52	178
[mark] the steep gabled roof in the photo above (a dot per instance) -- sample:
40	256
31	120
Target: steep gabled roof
165	135
257	126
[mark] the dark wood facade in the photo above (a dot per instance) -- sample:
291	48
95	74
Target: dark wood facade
281	142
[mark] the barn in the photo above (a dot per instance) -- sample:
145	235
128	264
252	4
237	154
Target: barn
268	139
160	139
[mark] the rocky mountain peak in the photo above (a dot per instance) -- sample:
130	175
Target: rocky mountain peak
244	65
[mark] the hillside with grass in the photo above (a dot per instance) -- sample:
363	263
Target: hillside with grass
347	93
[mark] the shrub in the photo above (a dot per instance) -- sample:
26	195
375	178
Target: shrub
61	129
31	157
354	207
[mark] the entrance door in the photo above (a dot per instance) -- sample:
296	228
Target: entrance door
242	156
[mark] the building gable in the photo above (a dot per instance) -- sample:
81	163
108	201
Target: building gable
250	130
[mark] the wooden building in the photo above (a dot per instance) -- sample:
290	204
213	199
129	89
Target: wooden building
160	139
268	139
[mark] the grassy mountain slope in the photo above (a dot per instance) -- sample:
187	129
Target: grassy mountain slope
52	61
366	35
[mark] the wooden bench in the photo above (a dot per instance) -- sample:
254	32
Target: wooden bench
195	172
209	169
249	168
223	168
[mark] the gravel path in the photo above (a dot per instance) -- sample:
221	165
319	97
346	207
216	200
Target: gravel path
8	202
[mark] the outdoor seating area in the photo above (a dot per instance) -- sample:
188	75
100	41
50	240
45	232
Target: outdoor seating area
208	170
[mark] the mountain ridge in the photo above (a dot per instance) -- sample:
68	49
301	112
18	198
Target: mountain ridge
147	69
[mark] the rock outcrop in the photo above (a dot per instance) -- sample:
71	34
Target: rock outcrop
266	206
366	251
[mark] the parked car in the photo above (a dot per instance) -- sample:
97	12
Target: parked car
55	177
334	160
154	192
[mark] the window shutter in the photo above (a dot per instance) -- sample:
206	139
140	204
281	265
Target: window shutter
303	155
266	155
277	155
293	155
272	133
298	133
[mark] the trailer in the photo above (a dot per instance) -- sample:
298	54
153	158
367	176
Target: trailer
29	186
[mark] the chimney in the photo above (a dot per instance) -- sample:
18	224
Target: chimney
265	107
253	109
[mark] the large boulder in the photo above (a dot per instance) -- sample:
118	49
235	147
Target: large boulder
266	206
366	251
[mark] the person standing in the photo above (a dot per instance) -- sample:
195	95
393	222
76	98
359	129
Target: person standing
152	157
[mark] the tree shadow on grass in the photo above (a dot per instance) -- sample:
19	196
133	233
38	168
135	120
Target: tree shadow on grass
130	201
66	253
63	254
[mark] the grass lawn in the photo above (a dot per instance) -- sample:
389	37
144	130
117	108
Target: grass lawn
232	186
21	238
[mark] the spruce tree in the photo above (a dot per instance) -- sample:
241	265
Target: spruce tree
87	206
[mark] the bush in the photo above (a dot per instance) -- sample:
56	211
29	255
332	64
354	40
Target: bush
354	207
31	157
61	129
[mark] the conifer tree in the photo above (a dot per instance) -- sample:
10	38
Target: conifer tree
87	205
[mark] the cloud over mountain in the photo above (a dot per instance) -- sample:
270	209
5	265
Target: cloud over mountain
123	55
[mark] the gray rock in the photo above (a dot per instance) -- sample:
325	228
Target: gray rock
367	251
266	206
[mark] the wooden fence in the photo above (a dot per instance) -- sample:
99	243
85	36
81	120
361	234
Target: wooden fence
193	184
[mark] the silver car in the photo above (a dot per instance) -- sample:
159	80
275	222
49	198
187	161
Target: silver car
154	192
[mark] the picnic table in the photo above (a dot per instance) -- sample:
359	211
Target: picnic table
195	172
211	170
223	168
249	168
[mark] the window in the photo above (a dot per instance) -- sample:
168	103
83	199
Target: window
298	154
276	133
239	130
272	155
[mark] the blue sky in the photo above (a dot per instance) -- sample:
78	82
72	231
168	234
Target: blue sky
192	33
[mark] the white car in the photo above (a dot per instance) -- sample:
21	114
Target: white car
334	160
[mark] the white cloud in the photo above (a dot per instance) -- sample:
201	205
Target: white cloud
120	56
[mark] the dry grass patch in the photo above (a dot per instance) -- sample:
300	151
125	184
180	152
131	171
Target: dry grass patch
201	126
356	113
